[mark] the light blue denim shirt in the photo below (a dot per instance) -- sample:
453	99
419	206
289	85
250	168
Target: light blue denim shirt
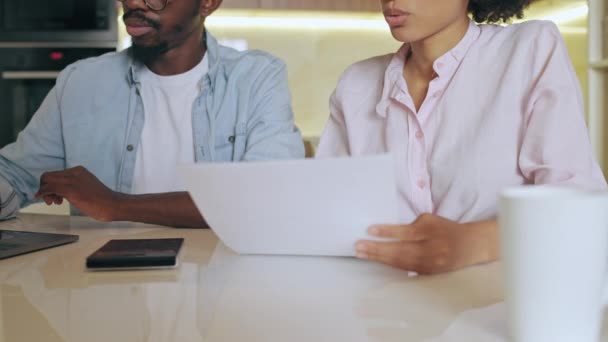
94	117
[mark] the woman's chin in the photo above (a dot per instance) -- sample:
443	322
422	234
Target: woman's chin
406	35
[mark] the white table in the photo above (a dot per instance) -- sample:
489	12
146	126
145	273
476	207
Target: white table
216	295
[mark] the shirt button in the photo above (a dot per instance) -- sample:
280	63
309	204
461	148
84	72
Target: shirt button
232	139
419	135
437	94
421	184
130	148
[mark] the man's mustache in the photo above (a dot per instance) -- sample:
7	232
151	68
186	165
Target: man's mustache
136	14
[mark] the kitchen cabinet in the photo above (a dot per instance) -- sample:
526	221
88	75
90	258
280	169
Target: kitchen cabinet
310	5
240	4
598	79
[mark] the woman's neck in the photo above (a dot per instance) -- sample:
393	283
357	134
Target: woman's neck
425	52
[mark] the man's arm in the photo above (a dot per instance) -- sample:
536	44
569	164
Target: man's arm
87	193
39	148
272	132
170	209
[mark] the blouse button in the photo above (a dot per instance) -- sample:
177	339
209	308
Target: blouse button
421	184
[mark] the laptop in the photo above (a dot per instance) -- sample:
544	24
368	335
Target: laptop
13	243
313	207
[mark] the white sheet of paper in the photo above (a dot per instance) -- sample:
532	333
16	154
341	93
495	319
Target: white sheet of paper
317	207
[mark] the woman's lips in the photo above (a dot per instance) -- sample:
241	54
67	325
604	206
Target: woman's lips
395	17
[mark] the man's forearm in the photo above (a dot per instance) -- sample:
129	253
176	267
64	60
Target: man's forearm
170	209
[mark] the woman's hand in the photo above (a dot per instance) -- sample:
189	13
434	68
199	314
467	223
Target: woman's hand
432	245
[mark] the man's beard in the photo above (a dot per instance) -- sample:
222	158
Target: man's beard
146	53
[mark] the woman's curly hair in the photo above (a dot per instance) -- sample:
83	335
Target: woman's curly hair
495	11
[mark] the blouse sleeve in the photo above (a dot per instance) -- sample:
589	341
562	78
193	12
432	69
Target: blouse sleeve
555	145
334	140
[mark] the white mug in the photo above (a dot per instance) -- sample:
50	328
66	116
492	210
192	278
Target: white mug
554	246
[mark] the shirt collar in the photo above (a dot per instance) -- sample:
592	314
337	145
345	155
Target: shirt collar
445	66
212	55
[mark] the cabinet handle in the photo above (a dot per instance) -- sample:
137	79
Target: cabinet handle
30	75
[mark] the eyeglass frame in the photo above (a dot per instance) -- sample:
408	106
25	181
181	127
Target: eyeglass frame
147	2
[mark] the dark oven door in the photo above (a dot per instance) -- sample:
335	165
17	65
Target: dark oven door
26	77
58	20
21	93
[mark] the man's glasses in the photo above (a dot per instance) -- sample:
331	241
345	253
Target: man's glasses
155	5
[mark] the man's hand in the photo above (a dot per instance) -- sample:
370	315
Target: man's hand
82	189
432	244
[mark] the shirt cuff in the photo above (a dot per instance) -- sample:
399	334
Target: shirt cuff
9	200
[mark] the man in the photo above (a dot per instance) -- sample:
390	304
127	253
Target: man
116	126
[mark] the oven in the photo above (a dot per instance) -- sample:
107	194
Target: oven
38	39
58	21
26	77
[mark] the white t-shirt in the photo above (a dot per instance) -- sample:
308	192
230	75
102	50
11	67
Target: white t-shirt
167	137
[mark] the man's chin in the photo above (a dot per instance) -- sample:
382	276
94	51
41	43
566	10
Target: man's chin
145	50
144	42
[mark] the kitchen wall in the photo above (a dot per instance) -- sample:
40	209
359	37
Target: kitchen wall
317	57
315	60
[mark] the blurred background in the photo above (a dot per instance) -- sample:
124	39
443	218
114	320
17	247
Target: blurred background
319	39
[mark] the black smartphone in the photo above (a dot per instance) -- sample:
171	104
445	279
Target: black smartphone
136	254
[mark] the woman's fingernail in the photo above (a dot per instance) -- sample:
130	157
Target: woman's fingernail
374	230
361	255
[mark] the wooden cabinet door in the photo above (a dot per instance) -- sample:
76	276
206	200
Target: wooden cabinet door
240	4
323	5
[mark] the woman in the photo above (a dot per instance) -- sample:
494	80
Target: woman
466	110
